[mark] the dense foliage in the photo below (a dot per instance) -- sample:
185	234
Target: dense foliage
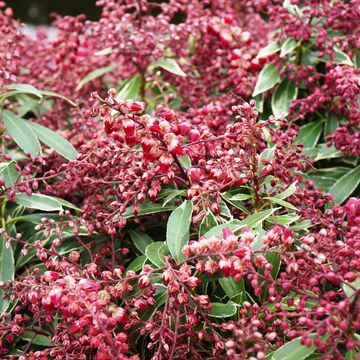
179	180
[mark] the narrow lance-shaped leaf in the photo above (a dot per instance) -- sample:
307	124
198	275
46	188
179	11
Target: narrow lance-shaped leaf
94	74
22	133
38	202
177	232
170	65
130	89
285	93
8	173
54	141
309	134
7	269
268	77
345	186
220	310
269	49
293	350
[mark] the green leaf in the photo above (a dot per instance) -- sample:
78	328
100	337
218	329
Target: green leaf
220	310
207	223
309	134
54	141
350	290
38	202
136	264
293	350
130	90
285	93
7	270
252	221
292	9
288	46
147	208
269	49
286	193
24	89
284	219
54	94
38	339
185	161
177	232
352	355
240	197
326	152
106	51
268	77
170	65
281	203
22	133
8	172
231	287
95	74
345	186
331	124
257	218
140	240
156	251
342	58
304	225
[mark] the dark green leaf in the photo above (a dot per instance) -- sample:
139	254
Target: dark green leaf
38	202
136	264
331	124
140	240
285	93
208	222
54	141
36	339
268	77
177	231
344	187
22	133
231	287
309	134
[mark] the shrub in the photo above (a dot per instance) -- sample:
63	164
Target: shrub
151	209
